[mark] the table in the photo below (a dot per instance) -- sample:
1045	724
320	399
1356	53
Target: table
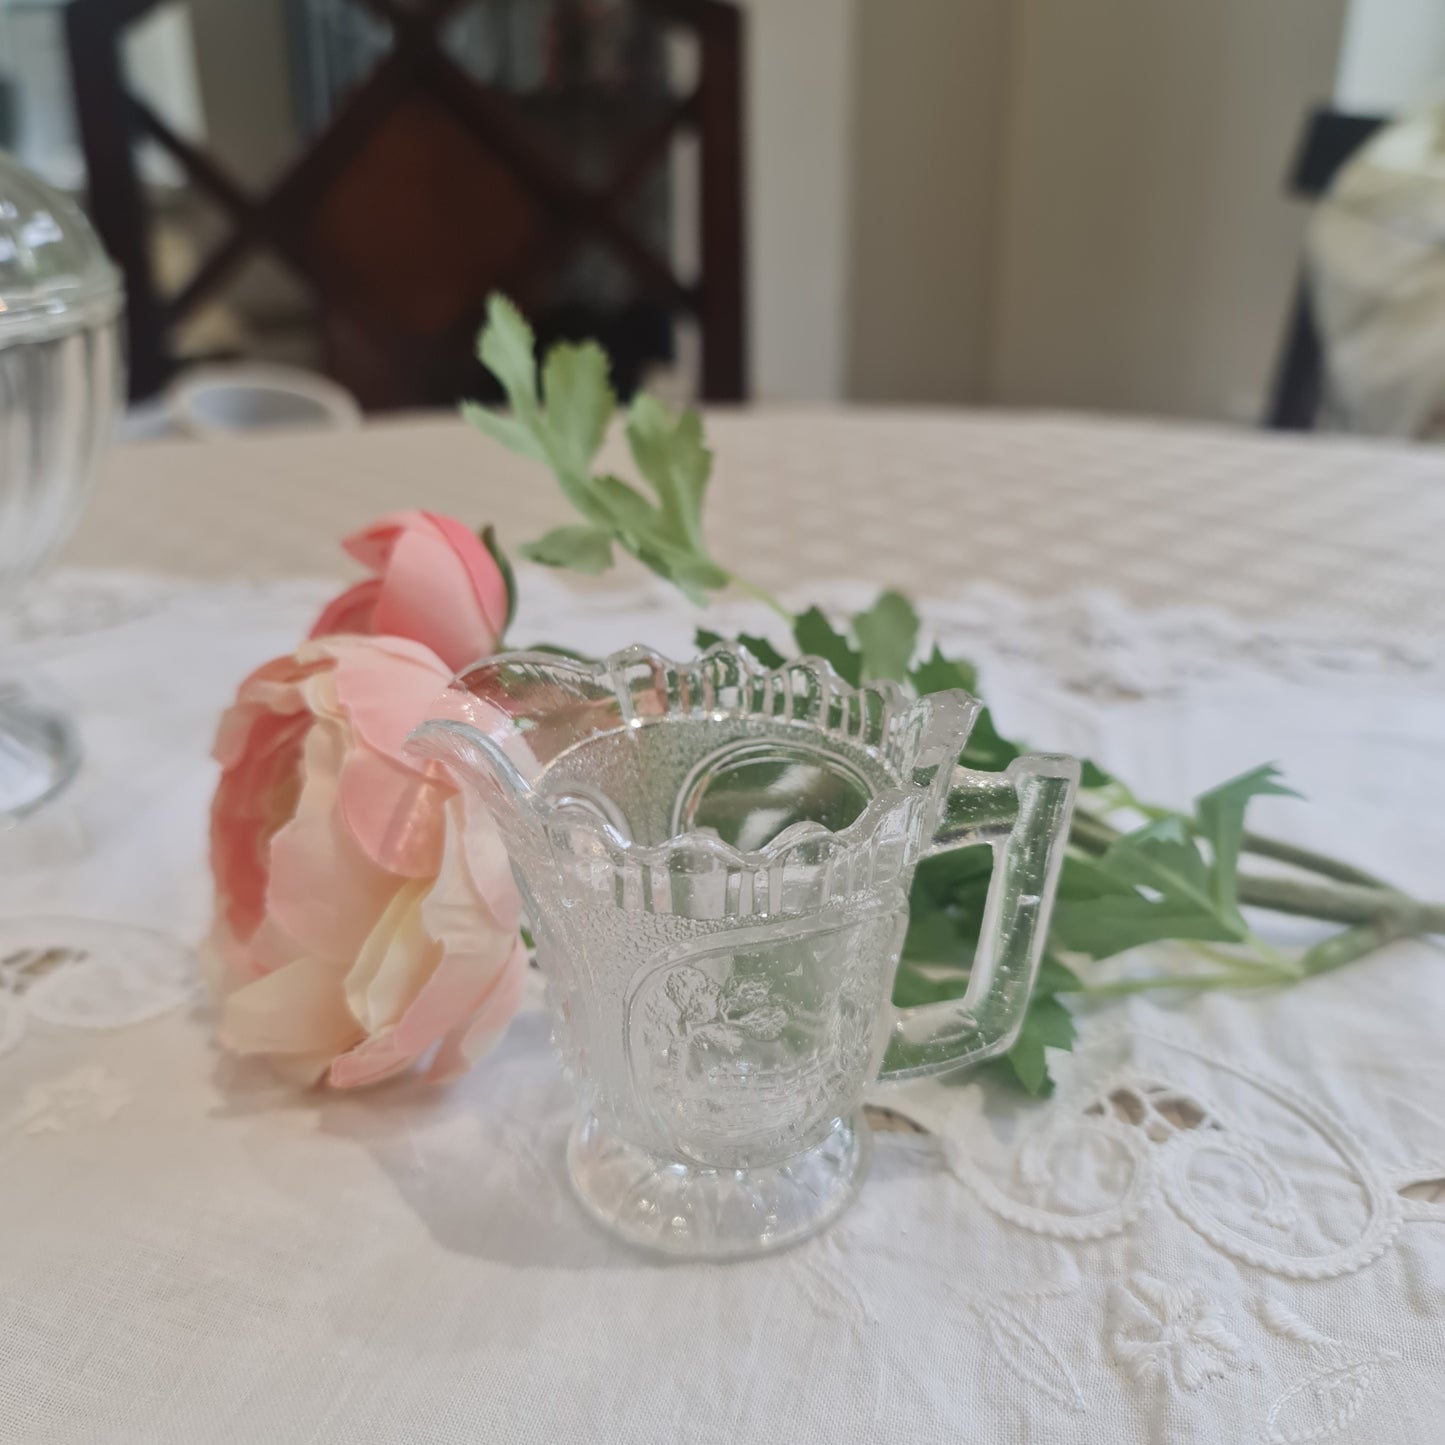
1226	1224
1265	526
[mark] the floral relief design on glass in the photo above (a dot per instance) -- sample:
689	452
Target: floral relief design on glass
1171	1332
769	1034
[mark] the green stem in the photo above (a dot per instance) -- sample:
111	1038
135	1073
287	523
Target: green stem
1212	952
1258	953
761	594
1347	900
1355	943
1310	861
1095	835
1342	903
1092	834
1255	978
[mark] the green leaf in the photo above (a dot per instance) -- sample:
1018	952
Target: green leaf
625	510
583	549
912	989
640	528
504	566
558	432
815	636
1101	927
695	577
1162	855
1219	814
955	878
932	938
564	431
1055	976
670	454
577	403
887	633
1047	1024
986	748
939	673
507	430
1100	912
1085	877
762	649
507	348
1091	775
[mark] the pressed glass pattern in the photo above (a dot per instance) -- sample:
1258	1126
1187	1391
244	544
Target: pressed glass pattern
716	860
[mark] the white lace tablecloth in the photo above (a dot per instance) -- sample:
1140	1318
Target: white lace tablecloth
1227	1225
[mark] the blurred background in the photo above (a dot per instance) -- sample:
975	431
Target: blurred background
1044	203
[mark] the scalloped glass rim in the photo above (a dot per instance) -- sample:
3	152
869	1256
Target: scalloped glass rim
919	739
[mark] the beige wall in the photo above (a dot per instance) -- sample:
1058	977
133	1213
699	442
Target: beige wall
1146	249
924	196
241	54
800	129
1080	203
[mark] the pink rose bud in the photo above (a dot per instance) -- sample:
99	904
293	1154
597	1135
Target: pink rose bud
435	583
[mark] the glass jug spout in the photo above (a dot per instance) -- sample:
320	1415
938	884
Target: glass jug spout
502	725
477	761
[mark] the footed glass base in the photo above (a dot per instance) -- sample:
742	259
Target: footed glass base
39	753
694	1213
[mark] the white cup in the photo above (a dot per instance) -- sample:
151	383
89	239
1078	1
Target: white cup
217	401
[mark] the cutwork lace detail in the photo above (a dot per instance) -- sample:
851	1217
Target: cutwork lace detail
83	974
1144	1138
1422	1192
1094	643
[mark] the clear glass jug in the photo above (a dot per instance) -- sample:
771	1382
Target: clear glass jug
716	860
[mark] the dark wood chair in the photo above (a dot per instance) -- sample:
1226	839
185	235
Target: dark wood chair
424	191
1330	138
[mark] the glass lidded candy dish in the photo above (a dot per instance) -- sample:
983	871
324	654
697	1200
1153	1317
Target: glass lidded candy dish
60	376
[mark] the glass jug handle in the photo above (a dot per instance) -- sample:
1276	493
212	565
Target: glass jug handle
1023	815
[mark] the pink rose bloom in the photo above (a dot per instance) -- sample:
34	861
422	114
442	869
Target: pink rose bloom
435	583
365	911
